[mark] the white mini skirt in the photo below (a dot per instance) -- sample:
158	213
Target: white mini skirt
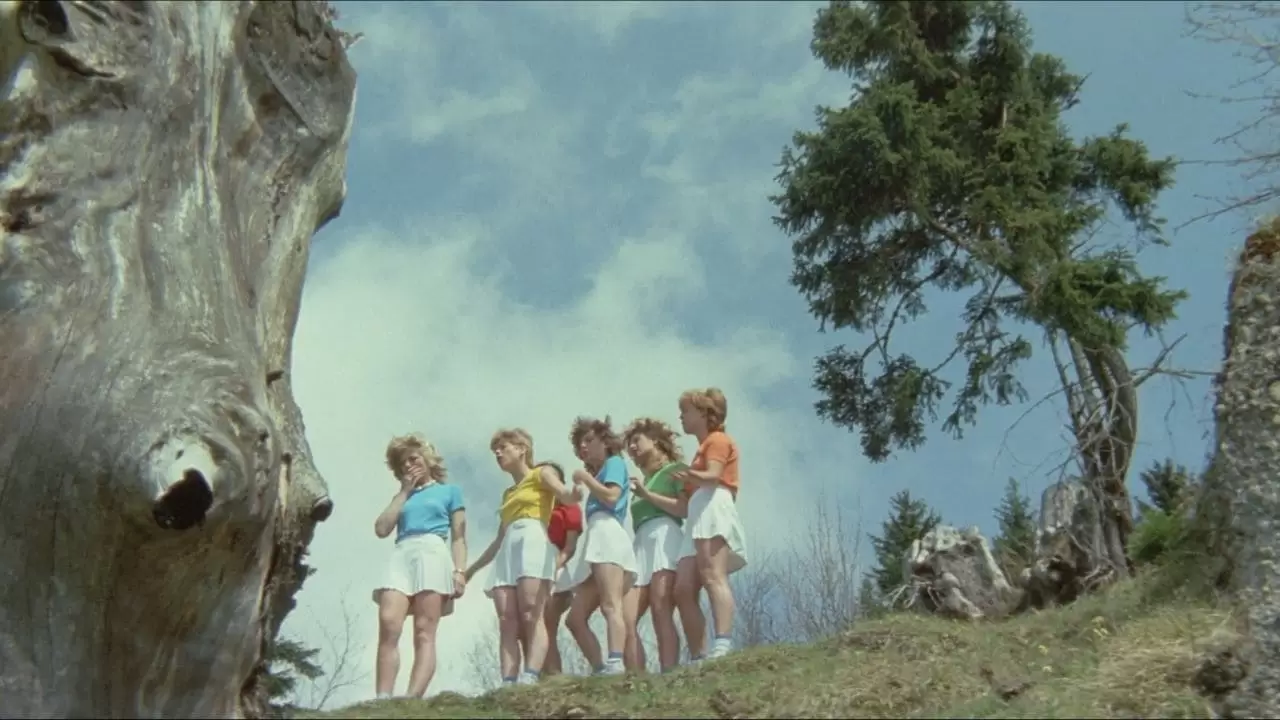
525	553
658	544
573	573
712	514
420	563
606	542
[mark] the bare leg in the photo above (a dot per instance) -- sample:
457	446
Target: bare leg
504	604
713	566
634	605
688	583
393	607
556	607
661	599
531	600
585	601
427	607
611	582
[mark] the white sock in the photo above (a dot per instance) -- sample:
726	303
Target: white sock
720	647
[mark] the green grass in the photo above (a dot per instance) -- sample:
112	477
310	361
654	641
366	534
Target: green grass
1119	654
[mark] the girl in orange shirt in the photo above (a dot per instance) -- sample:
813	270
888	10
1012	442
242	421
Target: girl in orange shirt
714	543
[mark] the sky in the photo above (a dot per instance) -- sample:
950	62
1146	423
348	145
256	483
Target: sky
561	209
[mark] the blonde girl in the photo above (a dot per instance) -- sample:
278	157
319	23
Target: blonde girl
524	560
714	544
425	571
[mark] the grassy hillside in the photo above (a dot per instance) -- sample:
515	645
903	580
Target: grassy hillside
1115	655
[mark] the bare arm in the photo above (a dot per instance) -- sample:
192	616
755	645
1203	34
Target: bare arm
552	481
710	476
458	532
677	506
385	524
486	557
605	493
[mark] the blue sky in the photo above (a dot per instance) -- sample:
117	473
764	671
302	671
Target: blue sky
561	208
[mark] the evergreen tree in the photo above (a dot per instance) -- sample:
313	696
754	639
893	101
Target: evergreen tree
952	172
1016	545
909	520
288	662
1169	487
870	604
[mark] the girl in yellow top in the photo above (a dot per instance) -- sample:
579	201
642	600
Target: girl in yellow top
524	559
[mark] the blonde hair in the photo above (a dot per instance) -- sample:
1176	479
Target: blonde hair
402	446
515	436
602	429
711	403
659	432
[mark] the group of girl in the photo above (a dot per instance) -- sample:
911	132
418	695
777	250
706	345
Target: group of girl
552	555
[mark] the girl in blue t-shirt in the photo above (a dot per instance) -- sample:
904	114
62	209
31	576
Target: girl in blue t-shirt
607	548
425	573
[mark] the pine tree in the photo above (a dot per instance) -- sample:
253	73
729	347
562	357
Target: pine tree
1015	546
870	604
909	520
1168	485
289	661
952	182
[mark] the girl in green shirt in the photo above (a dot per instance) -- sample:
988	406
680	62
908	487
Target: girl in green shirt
656	516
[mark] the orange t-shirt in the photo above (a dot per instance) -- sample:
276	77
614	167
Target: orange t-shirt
719	447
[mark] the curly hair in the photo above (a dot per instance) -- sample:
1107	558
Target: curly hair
602	429
402	446
518	437
711	403
659	432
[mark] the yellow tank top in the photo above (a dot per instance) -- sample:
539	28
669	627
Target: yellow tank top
527	499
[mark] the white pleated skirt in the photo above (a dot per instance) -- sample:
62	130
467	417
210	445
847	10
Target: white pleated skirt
606	542
420	563
571	575
657	546
525	553
712	514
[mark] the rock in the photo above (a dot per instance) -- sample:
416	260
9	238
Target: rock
953	573
1244	474
163	167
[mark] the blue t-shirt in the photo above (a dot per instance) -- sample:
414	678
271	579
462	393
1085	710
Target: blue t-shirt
614	472
429	510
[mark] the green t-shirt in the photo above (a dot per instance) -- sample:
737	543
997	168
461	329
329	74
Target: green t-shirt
642	511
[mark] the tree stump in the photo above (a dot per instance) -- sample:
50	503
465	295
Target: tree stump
1243	475
163	167
953	573
1072	555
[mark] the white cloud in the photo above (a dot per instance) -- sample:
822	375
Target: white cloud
606	20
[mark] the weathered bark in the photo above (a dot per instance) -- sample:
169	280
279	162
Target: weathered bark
954	574
163	167
1071	532
1243	474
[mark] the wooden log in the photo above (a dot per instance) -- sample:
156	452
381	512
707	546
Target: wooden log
163	167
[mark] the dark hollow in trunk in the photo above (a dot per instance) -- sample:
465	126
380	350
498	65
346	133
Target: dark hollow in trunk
163	167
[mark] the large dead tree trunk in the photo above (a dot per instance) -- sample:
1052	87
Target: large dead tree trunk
1243	476
163	167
